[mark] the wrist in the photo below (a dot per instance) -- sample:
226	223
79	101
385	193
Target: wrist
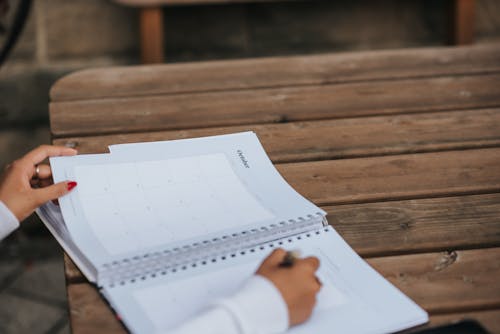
8	221
12	208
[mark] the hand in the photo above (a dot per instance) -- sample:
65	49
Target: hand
297	284
16	184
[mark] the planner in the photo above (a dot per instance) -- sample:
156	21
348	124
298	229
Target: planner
162	229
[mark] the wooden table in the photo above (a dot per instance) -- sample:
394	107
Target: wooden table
401	148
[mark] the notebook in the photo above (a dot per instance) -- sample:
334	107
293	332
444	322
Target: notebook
165	228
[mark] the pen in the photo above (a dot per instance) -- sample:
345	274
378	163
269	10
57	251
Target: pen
290	258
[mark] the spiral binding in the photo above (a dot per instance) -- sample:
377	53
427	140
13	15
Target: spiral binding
172	260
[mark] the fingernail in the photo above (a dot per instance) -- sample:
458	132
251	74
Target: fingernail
71	185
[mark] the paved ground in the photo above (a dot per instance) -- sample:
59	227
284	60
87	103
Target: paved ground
32	287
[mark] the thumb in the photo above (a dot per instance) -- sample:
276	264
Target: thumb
54	191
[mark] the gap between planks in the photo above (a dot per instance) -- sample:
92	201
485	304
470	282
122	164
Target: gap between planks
276	72
458	281
395	177
290	85
340	138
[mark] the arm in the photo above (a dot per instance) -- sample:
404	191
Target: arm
244	312
22	191
271	301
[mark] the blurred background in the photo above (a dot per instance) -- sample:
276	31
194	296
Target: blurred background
61	36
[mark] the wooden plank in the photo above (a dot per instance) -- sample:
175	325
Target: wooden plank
273	105
462	17
422	225
342	138
151	29
395	177
89	313
126	81
456	281
438	282
402	227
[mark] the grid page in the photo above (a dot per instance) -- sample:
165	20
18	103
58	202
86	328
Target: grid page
149	203
153	196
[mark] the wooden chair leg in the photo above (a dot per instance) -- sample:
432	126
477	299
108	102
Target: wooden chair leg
461	15
152	45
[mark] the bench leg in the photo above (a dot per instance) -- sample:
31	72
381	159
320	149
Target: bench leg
152	47
461	16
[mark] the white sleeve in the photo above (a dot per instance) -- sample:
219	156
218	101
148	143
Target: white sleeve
8	222
257	308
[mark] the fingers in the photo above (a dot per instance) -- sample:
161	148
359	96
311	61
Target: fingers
275	258
26	165
42	152
54	191
311	265
311	261
44	171
41	183
318	281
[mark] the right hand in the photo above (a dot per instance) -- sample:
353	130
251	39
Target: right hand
297	284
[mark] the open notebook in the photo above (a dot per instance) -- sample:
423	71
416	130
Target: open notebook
163	229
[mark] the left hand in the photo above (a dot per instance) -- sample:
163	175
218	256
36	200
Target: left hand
16	190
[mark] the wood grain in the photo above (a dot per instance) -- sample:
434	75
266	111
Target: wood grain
439	282
151	29
462	17
127	81
455	281
89	313
273	105
416	226
342	138
401	227
395	177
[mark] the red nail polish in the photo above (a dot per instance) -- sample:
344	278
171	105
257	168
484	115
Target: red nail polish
71	185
